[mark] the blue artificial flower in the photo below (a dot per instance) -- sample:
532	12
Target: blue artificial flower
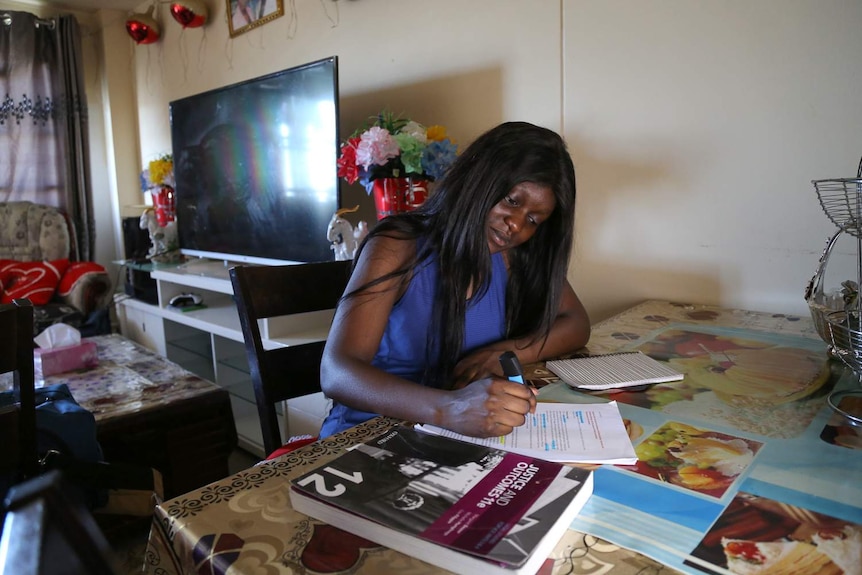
364	178
437	157
145	181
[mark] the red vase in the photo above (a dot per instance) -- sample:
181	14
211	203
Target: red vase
398	195
164	204
416	194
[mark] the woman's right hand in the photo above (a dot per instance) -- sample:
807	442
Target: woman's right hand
489	407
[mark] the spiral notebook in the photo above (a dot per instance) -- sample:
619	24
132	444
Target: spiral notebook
612	370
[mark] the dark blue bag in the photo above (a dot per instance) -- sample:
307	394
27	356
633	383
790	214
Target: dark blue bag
65	435
63	425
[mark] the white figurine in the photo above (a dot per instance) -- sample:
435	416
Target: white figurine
360	232
164	239
344	238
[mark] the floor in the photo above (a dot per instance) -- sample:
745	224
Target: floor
129	541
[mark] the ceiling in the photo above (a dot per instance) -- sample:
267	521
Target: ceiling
93	5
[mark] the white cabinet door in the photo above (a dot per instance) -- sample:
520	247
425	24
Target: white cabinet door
141	326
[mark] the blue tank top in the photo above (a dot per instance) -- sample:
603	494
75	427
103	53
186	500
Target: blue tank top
403	349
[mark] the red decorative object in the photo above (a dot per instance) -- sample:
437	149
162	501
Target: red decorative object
143	28
189	13
398	195
79	273
35	281
331	550
165	204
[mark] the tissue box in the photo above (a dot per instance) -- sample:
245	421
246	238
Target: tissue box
82	355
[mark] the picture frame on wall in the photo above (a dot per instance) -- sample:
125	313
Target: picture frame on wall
244	15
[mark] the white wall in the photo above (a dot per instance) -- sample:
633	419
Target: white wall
695	127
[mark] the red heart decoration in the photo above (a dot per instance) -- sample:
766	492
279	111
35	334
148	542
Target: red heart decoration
189	13
35	281
142	28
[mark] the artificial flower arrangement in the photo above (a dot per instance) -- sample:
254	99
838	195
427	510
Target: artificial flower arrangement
158	179
159	172
395	147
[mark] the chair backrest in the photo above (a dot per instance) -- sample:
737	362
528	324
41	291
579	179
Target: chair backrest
45	531
271	291
31	232
16	357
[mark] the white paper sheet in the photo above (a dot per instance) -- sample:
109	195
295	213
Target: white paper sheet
564	432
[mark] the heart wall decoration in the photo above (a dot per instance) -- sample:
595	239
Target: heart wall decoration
143	28
189	13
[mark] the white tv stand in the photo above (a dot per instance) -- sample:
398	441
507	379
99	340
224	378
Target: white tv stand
209	342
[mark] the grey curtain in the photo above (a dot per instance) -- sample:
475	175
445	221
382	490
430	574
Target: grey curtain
44	155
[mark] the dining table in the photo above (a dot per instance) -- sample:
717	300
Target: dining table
742	464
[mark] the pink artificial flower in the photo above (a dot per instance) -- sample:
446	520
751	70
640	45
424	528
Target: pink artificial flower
376	147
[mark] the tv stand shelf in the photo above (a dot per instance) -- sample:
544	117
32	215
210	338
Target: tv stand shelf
209	341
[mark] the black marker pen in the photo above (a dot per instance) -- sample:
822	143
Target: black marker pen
512	367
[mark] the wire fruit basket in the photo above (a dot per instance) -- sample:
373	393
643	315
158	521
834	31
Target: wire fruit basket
818	303
846	338
841	200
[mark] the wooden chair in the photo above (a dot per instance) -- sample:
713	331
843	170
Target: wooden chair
21	459
36	507
283	373
47	532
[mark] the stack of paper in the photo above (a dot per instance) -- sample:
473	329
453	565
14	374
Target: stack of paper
613	370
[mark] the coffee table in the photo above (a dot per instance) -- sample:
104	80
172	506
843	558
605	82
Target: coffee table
150	411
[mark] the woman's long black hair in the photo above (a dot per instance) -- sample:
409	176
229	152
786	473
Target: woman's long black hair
453	223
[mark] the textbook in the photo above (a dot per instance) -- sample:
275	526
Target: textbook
612	371
564	432
460	506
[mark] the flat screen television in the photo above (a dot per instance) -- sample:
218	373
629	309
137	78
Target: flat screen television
255	167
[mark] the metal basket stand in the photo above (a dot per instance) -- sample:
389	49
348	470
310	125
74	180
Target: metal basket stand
841	200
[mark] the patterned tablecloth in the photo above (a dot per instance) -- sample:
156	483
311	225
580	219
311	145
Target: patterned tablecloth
244	524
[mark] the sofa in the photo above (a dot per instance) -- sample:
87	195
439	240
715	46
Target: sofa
38	261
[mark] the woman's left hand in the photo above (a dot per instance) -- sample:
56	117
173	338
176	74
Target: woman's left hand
569	332
479	364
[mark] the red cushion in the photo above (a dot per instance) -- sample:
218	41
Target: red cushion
35	281
75	272
293	444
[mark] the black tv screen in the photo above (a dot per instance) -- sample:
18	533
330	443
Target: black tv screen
256	179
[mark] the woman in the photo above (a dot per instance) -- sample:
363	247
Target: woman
437	294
